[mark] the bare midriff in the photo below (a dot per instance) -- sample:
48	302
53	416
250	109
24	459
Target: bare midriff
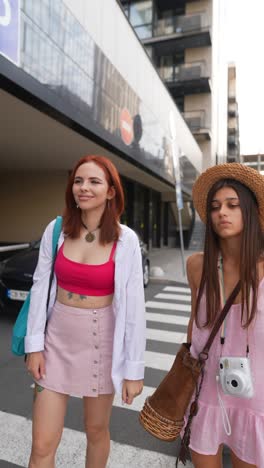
82	301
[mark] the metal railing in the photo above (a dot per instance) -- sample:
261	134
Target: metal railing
196	120
183	72
232	140
181	24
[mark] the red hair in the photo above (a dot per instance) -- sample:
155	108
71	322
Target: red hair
110	229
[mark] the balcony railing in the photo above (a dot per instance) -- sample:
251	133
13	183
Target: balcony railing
184	72
232	140
181	24
196	120
232	109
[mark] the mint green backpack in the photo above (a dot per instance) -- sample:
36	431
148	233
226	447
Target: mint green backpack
20	327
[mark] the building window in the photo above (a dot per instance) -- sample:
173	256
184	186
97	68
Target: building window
141	13
140	16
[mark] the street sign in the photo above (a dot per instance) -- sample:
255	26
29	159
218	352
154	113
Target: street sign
126	127
9	29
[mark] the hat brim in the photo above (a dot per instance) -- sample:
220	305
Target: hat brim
244	174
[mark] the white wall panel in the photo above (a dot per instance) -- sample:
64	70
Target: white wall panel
109	28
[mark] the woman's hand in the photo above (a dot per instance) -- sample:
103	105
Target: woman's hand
36	365
131	389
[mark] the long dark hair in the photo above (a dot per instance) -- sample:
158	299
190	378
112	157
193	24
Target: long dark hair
110	228
252	247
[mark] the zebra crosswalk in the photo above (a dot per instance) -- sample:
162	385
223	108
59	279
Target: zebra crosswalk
167	314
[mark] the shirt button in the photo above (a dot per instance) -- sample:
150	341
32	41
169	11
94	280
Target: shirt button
94	389
95	320
95	362
96	347
94	334
95	375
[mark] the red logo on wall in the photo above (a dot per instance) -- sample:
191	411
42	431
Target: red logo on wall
126	127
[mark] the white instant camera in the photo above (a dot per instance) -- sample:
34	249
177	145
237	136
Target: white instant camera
235	376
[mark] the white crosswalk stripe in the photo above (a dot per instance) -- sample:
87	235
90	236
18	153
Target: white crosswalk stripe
159	360
165	336
168	306
177	289
174	297
164	318
15	436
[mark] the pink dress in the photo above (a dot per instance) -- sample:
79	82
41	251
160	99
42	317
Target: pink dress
246	415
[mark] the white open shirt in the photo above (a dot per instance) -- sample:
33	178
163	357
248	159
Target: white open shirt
128	305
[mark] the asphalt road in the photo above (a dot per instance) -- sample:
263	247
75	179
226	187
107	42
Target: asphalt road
168	309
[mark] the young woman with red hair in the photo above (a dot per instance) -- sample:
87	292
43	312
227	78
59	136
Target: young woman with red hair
94	340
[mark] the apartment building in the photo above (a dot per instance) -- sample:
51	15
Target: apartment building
233	145
256	161
184	39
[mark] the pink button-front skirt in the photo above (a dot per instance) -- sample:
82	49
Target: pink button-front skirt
78	351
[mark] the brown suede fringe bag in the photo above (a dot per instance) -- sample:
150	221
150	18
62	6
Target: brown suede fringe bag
163	412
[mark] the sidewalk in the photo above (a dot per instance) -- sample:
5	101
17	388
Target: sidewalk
168	261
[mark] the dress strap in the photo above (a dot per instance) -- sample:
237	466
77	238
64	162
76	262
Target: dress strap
112	252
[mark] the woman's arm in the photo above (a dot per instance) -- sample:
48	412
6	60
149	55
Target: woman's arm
135	329
37	314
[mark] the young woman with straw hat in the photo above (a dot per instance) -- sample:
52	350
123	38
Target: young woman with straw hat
230	200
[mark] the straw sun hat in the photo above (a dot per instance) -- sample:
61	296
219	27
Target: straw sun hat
244	174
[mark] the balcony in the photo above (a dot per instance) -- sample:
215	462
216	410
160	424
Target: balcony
181	24
232	140
184	31
187	78
232	110
197	122
232	125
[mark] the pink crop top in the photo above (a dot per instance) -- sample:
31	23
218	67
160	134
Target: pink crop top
84	279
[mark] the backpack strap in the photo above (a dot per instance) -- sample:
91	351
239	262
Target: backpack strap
55	237
56	234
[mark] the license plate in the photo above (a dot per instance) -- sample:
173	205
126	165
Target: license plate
16	295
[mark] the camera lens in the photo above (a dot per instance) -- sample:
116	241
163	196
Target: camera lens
234	383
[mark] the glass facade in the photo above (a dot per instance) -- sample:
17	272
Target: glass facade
92	90
59	52
140	16
143	212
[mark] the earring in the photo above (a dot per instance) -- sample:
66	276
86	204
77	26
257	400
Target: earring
77	206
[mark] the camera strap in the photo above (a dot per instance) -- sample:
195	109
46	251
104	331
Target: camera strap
223	301
225	418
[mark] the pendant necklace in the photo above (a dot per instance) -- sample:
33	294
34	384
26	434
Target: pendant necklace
90	236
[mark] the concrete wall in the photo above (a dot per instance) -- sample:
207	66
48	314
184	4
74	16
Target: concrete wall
29	196
199	102
206	149
200	7
200	54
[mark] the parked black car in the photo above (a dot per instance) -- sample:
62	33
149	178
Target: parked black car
16	274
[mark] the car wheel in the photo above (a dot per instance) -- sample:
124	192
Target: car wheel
146	274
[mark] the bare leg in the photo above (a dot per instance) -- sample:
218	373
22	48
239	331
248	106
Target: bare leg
237	463
48	420
97	412
207	461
